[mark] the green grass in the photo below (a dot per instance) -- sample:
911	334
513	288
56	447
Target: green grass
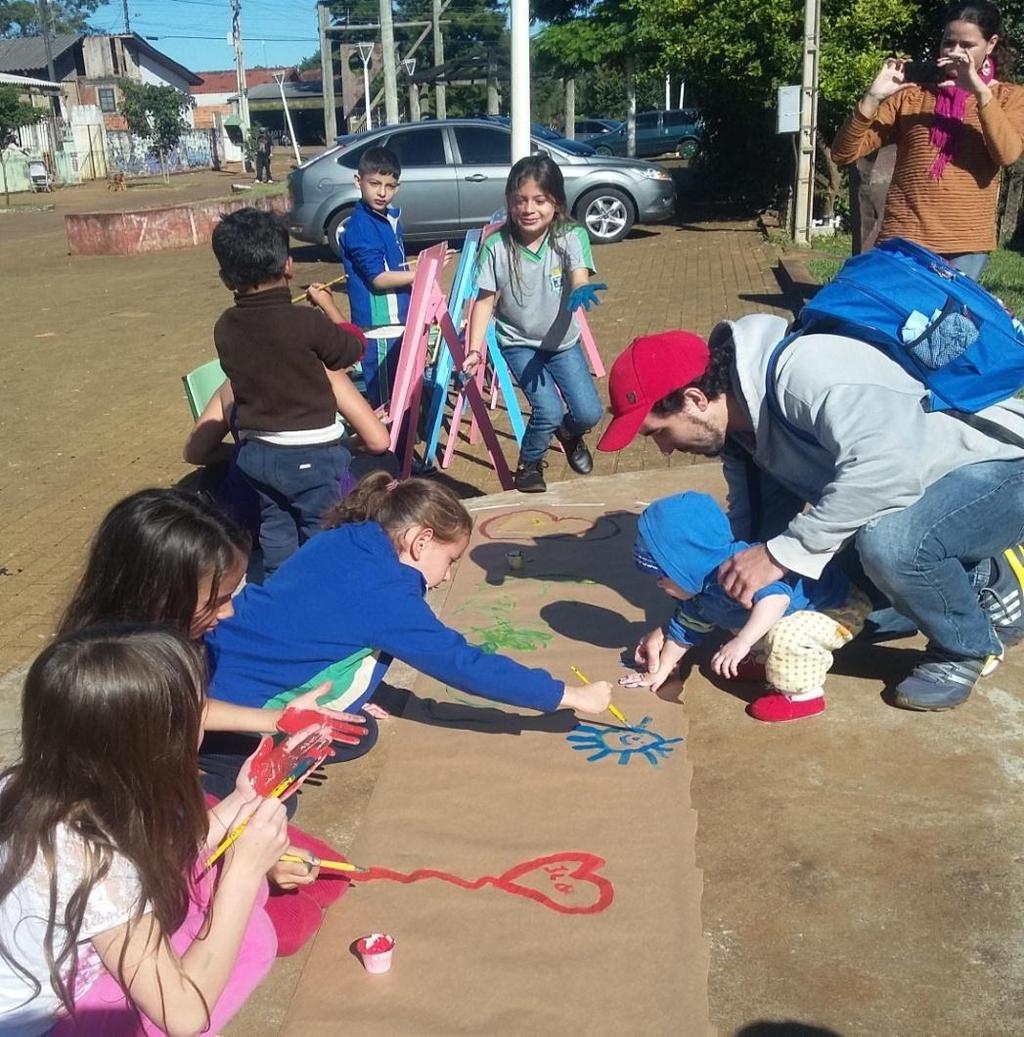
1004	277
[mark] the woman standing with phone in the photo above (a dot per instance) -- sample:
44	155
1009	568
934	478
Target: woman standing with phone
952	138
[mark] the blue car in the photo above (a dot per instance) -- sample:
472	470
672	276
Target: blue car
658	133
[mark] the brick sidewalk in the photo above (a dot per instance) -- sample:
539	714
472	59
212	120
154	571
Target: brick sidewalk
93	350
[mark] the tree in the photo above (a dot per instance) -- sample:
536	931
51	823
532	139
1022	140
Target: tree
21	17
735	56
156	113
14	113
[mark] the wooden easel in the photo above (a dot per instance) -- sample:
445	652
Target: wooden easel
428	309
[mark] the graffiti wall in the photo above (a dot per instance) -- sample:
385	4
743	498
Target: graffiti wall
134	156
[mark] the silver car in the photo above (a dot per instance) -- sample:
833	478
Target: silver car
453	179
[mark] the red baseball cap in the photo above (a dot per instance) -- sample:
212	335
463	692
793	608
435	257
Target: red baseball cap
649	368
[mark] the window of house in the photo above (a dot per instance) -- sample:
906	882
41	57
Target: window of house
107	99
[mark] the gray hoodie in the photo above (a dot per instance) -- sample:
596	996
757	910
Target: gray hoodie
878	451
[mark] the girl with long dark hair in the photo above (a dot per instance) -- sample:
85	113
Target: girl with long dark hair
104	834
531	278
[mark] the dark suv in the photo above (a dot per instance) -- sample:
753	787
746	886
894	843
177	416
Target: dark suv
658	133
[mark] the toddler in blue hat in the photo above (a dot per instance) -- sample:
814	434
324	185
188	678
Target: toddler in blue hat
683	540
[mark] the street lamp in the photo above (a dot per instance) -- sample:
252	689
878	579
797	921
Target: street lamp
366	53
409	64
279	79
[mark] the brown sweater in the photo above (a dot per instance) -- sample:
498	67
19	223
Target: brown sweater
955	213
274	353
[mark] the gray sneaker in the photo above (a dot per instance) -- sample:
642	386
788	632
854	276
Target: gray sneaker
941	681
1003	598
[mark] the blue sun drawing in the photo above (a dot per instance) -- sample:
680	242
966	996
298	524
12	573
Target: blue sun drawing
601	742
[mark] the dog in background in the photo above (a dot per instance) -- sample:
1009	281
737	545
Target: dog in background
115	182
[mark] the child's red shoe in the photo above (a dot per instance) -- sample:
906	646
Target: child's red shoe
751	668
776	708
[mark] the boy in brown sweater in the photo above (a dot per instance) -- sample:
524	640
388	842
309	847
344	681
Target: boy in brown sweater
275	355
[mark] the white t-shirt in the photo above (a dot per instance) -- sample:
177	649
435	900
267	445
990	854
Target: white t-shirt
23	917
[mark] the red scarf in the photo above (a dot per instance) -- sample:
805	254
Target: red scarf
950	108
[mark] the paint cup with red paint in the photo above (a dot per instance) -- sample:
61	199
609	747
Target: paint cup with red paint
376	950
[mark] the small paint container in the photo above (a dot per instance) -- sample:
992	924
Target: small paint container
514	559
376	950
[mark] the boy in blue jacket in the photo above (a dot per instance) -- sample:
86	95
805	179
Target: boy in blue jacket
373	252
683	540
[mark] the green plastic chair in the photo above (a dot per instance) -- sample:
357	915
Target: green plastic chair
201	384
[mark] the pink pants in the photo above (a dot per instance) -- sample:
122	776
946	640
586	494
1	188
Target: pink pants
104	1010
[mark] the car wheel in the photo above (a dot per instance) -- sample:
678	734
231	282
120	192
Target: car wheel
606	213
602	149
688	148
340	218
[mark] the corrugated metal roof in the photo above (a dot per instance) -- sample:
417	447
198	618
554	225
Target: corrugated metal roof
27	53
9	77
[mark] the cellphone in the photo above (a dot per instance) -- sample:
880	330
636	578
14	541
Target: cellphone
926	73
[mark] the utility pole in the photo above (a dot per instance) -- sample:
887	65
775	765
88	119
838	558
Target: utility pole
127	20
630	108
441	104
243	89
808	123
570	108
327	73
493	103
43	10
387	46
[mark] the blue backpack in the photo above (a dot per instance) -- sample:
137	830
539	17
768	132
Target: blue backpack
954	337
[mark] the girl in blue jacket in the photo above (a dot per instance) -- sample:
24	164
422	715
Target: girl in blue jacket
352	599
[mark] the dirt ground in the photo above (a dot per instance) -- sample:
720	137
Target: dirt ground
863	872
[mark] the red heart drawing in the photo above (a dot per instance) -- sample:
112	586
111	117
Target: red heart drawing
573	876
533	523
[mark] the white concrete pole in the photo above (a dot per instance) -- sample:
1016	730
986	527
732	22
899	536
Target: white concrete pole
327	74
520	72
570	108
808	123
630	109
366	53
279	76
440	99
387	43
668	90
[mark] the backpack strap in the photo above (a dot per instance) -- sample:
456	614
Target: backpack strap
771	394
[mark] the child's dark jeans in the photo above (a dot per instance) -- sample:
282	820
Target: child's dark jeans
296	485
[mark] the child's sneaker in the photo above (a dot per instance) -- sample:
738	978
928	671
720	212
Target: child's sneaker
751	668
776	708
529	477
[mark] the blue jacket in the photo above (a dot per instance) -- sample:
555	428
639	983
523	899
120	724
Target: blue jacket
370	245
688	536
339	609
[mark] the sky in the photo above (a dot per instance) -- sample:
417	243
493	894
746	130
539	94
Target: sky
194	32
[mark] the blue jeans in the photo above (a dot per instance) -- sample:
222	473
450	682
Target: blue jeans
295	485
551	383
932	558
971	263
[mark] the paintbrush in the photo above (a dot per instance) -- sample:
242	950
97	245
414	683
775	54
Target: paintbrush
617	713
275	793
329	865
299	298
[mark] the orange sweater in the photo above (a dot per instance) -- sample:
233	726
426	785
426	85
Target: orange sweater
955	213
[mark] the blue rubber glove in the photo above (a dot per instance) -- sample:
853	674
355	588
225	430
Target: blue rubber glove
586	296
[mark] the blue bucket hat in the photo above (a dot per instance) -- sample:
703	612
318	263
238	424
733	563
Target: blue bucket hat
686	537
